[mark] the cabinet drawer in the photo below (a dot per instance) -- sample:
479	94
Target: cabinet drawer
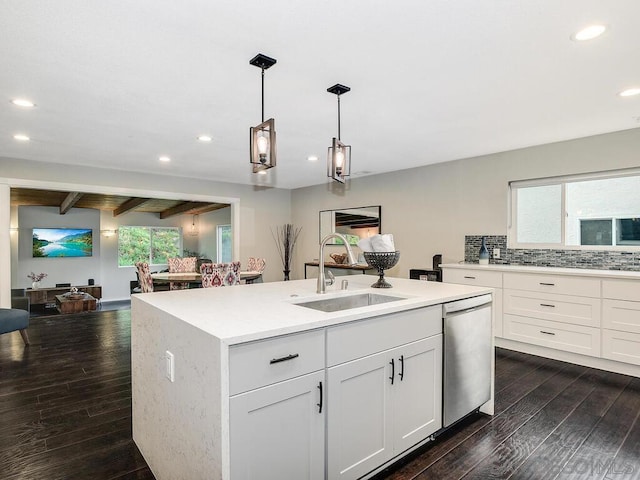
549	306
621	346
364	337
472	277
562	336
621	290
559	284
621	315
256	364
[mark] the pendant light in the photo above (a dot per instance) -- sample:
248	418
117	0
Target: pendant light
263	136
339	158
194	230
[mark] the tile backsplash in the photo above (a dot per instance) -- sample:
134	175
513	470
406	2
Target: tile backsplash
596	259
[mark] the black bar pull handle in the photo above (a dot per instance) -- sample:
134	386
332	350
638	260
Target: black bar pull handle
472	278
284	359
547	333
393	370
321	396
547	305
401	367
548	284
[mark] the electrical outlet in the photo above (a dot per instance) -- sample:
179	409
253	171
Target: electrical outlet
170	366
496	253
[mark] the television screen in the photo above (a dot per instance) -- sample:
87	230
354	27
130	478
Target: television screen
62	242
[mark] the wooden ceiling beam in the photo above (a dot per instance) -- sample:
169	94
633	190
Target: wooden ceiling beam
129	205
70	200
180	209
209	208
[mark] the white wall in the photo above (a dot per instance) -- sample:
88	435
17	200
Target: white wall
430	209
77	270
254	211
207	243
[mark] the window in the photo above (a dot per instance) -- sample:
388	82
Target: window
223	235
597	210
148	244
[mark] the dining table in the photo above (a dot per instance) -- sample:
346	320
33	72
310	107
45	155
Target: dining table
194	278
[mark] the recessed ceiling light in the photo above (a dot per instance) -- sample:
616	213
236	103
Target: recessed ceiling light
164	158
21	137
312	158
589	33
630	92
23	102
204	138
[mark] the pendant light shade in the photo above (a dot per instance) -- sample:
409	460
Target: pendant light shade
194	229
339	157
262	141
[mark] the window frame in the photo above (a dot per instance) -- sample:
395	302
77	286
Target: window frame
512	229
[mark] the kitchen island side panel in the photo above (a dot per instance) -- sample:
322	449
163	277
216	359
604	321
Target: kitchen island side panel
177	425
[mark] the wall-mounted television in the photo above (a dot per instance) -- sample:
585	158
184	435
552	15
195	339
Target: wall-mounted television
62	242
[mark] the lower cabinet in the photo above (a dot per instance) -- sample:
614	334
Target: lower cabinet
382	404
382	395
277	432
621	321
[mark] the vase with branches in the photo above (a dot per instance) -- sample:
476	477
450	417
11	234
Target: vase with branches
286	237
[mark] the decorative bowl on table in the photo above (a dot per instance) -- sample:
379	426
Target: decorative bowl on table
339	258
381	261
74	295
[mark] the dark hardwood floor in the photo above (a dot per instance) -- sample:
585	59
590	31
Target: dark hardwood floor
65	410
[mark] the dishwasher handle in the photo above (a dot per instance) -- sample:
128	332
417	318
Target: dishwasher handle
466	304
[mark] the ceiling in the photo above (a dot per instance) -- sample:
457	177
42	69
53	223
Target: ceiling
118	204
119	83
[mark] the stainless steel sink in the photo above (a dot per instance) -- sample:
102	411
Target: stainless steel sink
336	304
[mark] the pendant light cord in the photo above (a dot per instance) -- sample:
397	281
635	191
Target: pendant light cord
338	117
262	94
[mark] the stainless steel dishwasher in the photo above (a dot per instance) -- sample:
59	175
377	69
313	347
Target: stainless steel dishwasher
467	357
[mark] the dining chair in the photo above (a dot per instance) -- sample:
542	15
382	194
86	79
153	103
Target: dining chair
220	274
181	265
144	277
231	274
211	274
256	264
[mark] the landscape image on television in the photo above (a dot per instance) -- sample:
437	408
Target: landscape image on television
62	242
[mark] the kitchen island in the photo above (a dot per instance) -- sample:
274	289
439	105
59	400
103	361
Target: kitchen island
243	382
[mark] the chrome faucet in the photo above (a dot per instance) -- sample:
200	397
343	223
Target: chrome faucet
322	282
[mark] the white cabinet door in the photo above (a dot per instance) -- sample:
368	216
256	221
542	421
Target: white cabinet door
277	432
382	404
359	418
417	392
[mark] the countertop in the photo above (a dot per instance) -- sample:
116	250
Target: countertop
583	272
245	313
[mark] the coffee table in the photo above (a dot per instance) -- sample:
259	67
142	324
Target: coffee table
75	303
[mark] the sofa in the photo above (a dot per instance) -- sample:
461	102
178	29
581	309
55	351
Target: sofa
12	319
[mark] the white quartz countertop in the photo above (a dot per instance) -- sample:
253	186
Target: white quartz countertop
245	313
583	272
